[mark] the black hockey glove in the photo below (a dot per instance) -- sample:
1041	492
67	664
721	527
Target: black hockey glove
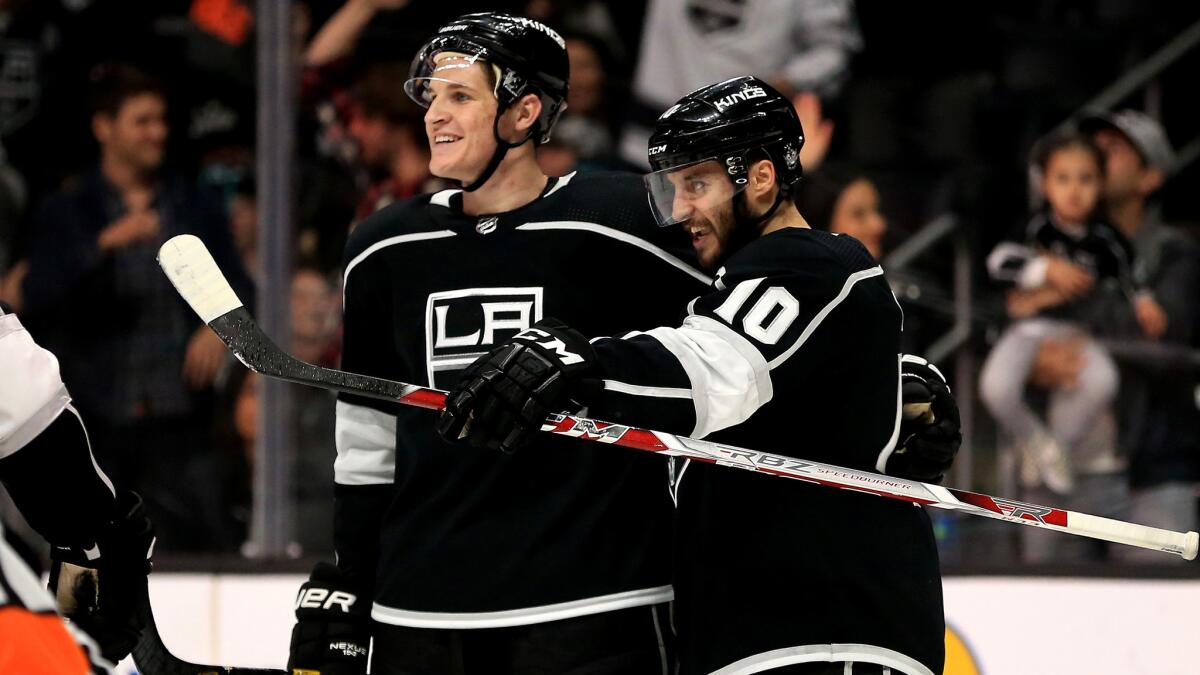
506	394
332	631
929	428
102	588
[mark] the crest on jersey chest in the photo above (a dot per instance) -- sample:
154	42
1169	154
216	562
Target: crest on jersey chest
487	225
463	324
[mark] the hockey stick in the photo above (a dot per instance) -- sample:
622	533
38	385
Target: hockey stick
195	275
153	658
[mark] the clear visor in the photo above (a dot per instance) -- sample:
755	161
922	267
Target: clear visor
678	193
451	68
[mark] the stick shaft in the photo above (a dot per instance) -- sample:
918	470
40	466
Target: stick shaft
195	275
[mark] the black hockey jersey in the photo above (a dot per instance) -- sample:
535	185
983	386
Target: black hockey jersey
796	352
471	538
1097	247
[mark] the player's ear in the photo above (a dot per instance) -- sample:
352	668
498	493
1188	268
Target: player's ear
762	176
525	113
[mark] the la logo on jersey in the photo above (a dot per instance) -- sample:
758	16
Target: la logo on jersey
462	325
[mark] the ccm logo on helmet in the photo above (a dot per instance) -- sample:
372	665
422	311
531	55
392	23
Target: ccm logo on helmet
657	149
744	95
320	598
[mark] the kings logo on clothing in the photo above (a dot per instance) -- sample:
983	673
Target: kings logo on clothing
462	325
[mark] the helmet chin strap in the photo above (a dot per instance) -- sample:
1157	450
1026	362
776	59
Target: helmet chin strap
752	225
502	148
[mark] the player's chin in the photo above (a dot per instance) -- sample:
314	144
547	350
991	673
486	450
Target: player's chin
708	251
448	165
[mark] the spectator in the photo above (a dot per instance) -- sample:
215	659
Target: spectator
799	46
42	44
316	338
586	130
140	363
1049	267
846	201
243	223
1159	427
1063	267
389	132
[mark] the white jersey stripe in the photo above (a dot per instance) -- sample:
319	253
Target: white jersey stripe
88	439
524	616
886	454
560	184
820	316
638	390
729	377
443	198
18	585
830	653
392	241
366	446
580	226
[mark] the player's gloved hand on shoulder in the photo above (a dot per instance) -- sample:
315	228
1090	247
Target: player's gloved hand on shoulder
929	429
332	632
102	587
506	394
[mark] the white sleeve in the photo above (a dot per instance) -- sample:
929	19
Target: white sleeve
366	445
32	393
729	377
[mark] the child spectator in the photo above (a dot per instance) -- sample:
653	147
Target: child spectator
1065	260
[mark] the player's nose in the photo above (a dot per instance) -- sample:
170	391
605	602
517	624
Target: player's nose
434	114
681	209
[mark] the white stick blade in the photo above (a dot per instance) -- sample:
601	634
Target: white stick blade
194	273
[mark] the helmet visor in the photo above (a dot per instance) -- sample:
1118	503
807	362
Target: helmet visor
678	193
437	63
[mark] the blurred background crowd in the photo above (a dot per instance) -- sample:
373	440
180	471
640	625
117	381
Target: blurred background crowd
992	155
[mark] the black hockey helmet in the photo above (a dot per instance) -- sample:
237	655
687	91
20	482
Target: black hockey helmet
735	123
528	56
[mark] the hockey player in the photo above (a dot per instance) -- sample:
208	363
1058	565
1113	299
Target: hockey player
552	561
100	537
794	350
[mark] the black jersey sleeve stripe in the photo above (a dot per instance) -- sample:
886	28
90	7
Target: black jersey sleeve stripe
612	233
366	445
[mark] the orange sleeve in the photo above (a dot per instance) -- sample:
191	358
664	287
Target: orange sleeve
35	643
